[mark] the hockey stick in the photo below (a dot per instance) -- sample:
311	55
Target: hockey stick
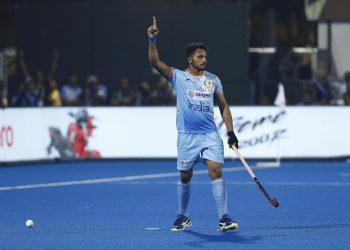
273	201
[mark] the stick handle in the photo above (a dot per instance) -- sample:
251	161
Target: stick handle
245	164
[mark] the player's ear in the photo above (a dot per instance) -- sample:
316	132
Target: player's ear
189	59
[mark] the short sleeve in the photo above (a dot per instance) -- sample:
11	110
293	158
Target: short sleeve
218	85
175	76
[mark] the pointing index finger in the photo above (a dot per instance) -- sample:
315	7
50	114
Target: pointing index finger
154	21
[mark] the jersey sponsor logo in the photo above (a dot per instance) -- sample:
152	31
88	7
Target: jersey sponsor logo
198	95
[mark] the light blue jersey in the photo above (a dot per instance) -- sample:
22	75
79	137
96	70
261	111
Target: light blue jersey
195	101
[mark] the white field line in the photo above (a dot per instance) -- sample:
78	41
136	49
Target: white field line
240	183
293	183
115	179
172	174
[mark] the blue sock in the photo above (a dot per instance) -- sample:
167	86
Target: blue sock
183	195
220	195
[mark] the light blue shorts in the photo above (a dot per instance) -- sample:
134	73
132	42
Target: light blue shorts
191	148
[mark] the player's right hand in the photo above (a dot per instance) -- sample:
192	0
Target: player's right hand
153	31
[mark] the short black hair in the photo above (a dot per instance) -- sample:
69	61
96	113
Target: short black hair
191	48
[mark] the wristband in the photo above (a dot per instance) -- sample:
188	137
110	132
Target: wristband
152	40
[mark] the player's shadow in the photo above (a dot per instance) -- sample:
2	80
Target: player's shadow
233	237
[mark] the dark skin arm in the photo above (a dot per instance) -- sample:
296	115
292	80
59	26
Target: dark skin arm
23	64
225	111
227	117
153	54
54	65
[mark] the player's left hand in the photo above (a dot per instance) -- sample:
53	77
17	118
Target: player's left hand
232	139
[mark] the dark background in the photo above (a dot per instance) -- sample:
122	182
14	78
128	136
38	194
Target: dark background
110	39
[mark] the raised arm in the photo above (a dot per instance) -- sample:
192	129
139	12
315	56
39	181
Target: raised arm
227	117
54	65
23	65
153	55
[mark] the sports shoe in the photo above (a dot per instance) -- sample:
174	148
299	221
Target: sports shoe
181	223
226	223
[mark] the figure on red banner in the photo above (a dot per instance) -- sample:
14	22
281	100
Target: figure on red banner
60	143
75	144
79	132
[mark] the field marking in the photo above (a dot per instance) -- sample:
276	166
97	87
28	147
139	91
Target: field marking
296	183
240	183
107	180
139	178
152	228
344	174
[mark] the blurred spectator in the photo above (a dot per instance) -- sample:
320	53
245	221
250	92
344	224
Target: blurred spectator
40	87
94	92
307	98
143	94
39	81
323	101
27	95
71	92
124	95
323	92
346	99
53	95
338	89
19	99
3	99
305	70
163	93
289	65
347	81
323	95
264	101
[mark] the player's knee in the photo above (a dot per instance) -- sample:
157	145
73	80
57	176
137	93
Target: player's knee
185	179
186	176
215	176
215	173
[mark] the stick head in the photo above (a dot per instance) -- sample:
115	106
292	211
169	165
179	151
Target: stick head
274	202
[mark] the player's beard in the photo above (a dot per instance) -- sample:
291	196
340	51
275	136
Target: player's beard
200	67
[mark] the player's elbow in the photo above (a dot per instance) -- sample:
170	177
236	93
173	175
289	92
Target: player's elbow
154	61
222	105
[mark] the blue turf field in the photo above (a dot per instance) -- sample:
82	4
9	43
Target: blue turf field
115	213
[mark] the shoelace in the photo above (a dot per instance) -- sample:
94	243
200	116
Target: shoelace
225	219
179	220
